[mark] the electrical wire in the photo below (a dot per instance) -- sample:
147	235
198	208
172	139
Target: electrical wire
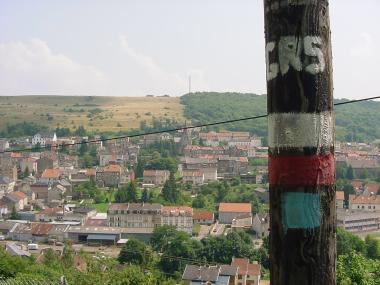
167	130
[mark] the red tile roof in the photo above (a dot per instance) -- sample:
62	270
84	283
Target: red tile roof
52	211
203	215
51	173
112	168
235	207
372	187
17	194
373	199
340	195
245	267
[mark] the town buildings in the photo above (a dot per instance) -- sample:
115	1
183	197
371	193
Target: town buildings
145	215
228	212
156	177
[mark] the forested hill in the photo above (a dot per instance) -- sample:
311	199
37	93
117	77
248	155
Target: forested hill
359	121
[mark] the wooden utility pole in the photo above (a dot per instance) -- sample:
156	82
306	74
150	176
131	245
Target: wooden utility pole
301	142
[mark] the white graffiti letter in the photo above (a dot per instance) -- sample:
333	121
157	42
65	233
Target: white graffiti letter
312	48
272	68
289	51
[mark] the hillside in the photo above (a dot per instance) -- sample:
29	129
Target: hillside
359	121
94	113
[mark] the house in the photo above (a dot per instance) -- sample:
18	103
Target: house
215	139
357	184
29	163
364	202
156	177
46	162
371	189
3	210
198	151
203	217
230	211
364	166
7	227
16	199
339	199
51	175
6	185
195	177
232	166
4	145
248	273
242	221
56	194
8	167
42	140
41	190
108	176
179	216
211	275
358	220
260	224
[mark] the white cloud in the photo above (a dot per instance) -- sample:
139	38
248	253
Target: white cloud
157	79
31	67
364	47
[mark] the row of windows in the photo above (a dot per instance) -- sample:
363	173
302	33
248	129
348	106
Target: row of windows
369	207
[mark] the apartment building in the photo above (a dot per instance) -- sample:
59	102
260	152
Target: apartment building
181	217
134	215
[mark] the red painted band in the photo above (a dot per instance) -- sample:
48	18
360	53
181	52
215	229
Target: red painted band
293	171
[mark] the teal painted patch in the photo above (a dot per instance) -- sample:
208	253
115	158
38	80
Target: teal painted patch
301	210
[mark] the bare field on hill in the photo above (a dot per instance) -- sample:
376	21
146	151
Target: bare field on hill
93	112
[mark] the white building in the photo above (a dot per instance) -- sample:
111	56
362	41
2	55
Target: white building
181	217
364	203
230	211
358	221
42	140
193	176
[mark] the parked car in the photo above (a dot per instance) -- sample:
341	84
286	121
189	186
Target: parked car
2	237
33	246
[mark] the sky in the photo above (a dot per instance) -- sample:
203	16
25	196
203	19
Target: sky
141	47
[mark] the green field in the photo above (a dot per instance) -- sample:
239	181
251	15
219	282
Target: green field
94	113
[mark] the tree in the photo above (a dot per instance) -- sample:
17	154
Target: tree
135	252
354	269
83	148
131	192
121	195
347	243
80	131
373	247
145	195
170	192
350	173
161	236
14	214
26	172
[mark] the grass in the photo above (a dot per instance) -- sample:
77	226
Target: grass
94	113
101	208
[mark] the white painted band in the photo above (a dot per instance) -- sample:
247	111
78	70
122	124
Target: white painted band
300	129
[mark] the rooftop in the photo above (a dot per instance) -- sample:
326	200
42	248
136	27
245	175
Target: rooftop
52	173
203	215
235	207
